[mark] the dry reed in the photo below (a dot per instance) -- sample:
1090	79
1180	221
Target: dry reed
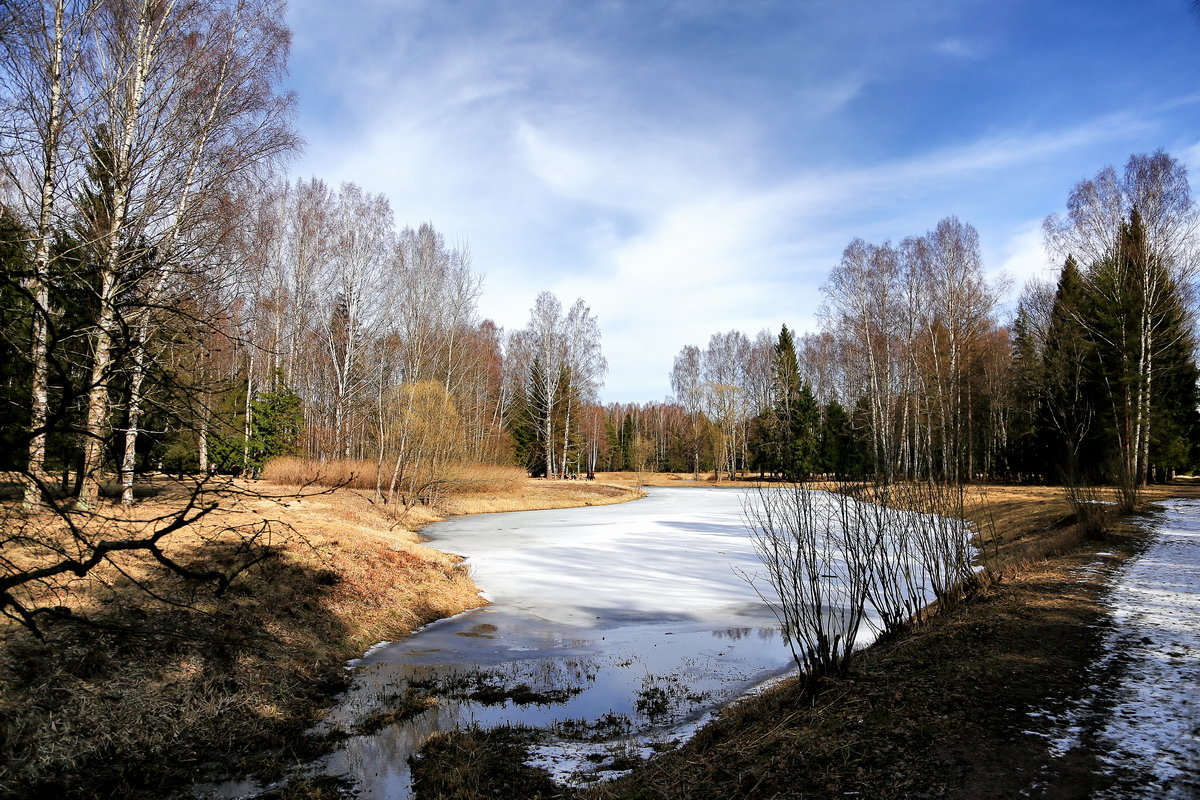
457	479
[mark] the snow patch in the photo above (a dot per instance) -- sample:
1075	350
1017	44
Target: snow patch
1148	739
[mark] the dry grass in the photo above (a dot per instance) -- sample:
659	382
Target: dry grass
538	493
189	687
674	479
347	473
368	475
157	692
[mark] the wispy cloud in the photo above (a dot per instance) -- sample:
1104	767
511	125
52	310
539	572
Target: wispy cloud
698	168
959	48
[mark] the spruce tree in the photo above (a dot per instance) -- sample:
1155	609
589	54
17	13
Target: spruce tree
1138	371
15	314
797	416
1028	385
527	422
1066	437
627	433
838	453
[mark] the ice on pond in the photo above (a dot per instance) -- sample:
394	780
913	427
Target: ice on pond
613	629
619	625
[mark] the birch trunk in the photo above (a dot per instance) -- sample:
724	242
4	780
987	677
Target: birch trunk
97	398
248	422
202	441
111	246
129	456
39	281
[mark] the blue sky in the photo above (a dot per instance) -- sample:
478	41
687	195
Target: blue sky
694	167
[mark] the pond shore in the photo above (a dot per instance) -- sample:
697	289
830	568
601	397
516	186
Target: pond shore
961	707
945	709
190	688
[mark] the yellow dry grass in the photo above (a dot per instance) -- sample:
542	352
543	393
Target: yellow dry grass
169	688
459	478
675	479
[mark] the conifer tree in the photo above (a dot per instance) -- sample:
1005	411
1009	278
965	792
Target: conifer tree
530	422
840	450
796	413
1142	345
1028	377
1066	439
15	319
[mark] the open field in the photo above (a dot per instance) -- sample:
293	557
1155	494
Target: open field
160	691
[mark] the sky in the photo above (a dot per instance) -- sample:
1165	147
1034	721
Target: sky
688	167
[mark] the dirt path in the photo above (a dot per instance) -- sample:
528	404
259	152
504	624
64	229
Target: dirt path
974	704
1139	718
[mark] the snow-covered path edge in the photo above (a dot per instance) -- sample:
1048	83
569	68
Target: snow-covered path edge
1146	731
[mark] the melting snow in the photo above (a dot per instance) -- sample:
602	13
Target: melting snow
1148	736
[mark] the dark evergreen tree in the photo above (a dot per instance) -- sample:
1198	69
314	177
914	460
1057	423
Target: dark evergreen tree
796	411
842	453
15	312
1028	377
1068	442
762	443
278	423
628	432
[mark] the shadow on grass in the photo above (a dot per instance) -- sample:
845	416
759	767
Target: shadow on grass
164	685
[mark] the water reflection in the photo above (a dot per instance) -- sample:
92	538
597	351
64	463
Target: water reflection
649	683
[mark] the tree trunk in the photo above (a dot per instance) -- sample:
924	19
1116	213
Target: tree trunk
248	420
39	282
202	441
111	246
97	399
129	456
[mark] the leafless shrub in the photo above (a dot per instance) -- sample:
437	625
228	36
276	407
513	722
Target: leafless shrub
875	554
1089	507
819	574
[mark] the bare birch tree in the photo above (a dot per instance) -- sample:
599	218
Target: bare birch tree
586	366
688	388
723	365
44	48
864	306
185	102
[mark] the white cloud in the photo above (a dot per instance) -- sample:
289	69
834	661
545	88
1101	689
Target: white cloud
677	197
1020	258
958	48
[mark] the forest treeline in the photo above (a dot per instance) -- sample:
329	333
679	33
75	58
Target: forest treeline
914	374
172	300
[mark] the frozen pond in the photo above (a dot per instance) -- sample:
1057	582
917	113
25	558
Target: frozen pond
615	628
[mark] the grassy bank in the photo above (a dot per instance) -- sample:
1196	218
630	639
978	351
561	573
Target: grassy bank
166	685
